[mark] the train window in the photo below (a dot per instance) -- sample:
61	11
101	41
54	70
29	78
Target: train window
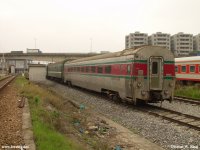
100	69
107	69
192	68
176	68
87	69
183	68
93	69
128	69
82	69
78	69
154	67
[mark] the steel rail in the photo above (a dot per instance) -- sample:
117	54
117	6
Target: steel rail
6	81
187	100
173	116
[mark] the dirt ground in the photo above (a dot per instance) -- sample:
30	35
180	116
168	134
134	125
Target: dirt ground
10	118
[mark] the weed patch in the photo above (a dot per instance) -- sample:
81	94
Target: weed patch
188	91
46	120
57	124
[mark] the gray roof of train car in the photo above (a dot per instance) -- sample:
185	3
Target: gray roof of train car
60	62
125	52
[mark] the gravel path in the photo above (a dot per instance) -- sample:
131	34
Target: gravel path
164	133
10	118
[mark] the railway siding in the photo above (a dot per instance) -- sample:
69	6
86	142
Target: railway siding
187	100
174	116
10	117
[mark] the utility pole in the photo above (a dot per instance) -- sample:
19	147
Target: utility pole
3	63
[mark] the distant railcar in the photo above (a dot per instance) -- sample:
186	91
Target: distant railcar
146	73
188	69
56	71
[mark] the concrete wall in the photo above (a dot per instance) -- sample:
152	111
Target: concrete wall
37	73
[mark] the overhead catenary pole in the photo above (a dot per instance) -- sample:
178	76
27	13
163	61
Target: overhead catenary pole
3	63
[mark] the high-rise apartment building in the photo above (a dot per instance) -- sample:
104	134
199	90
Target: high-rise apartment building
136	39
196	42
160	39
182	44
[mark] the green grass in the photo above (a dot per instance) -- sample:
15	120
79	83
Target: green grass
46	134
188	91
47	138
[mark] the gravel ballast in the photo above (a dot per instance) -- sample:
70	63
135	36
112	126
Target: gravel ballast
182	107
164	133
10	118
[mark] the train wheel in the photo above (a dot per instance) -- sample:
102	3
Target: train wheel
116	97
70	84
110	96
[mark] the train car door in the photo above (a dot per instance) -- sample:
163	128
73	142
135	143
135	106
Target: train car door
129	82
156	73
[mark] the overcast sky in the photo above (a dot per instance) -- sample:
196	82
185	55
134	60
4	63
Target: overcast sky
71	25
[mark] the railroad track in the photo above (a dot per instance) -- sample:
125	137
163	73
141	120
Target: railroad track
4	82
167	114
173	116
187	100
170	115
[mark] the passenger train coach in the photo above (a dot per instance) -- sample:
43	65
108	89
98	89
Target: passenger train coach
188	69
146	74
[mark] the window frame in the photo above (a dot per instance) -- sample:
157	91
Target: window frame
93	69
154	69
182	68
108	69
99	69
194	68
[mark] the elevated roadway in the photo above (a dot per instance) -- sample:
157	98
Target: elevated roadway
20	61
50	57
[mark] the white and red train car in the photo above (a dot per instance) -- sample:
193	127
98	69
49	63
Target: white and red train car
187	69
146	74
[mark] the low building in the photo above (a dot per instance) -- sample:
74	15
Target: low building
37	72
33	51
16	52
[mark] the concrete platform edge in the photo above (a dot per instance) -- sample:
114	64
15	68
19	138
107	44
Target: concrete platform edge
27	127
